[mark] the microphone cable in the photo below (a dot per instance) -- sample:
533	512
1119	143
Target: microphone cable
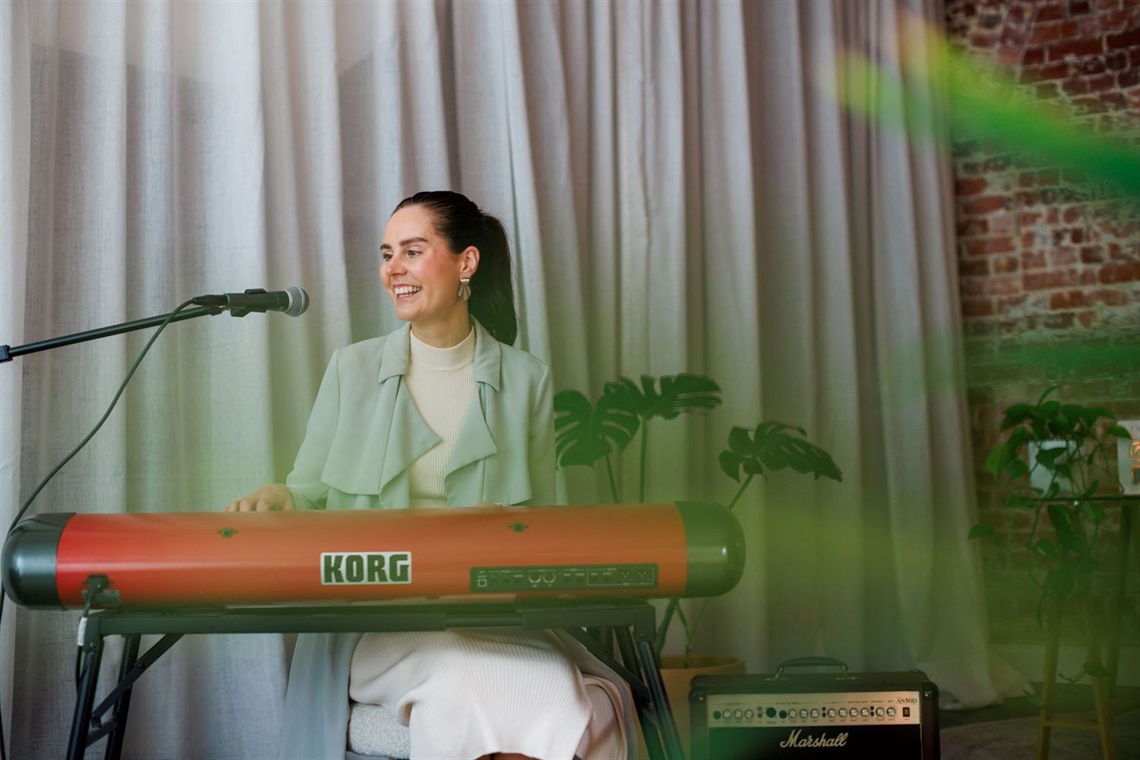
36	491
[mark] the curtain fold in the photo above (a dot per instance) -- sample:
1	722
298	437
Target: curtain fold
683	194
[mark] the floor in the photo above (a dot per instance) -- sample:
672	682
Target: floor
1070	698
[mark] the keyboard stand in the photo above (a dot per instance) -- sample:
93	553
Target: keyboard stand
594	625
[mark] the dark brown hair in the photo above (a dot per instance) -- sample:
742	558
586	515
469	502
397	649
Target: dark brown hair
461	223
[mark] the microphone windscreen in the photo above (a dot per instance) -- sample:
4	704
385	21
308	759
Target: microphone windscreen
298	301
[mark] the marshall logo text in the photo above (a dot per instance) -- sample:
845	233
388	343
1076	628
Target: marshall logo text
351	568
823	740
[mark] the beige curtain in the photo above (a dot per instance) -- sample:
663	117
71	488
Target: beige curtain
682	194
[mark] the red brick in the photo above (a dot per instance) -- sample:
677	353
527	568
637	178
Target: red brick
1003	223
1050	12
970	185
1048	280
1003	264
1092	66
1125	39
1016	15
972	227
1109	298
973	287
1120	272
1063	257
1033	260
1075	86
1088	277
1087	318
974	268
1036	55
1045	73
1114	100
977	307
1086	105
1115	20
1092	254
983	41
1106	5
1129	78
1009	53
1102	82
1134	56
1029	218
983	205
1069	299
1116	60
1060	321
1009	303
1079	7
1077	48
1005	285
1116	252
1089	26
982	246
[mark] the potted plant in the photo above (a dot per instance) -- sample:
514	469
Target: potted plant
587	433
1051	462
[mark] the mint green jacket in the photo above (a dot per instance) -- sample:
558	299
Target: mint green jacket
364	431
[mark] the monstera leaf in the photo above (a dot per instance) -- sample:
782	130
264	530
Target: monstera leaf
585	433
679	394
775	446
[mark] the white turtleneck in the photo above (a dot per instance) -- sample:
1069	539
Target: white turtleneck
442	384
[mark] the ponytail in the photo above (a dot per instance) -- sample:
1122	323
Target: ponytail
461	223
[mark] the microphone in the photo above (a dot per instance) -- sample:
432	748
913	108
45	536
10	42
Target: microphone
293	301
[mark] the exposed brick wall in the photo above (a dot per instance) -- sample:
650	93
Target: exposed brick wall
1049	258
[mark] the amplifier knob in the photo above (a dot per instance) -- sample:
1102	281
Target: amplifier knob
814	713
891	711
716	714
831	712
748	714
842	712
770	712
738	713
865	712
879	712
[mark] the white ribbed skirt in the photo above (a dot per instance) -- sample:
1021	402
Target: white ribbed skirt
464	694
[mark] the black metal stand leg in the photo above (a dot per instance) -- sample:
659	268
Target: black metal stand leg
652	706
119	714
652	669
89	662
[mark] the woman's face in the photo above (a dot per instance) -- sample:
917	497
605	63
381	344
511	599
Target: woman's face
419	272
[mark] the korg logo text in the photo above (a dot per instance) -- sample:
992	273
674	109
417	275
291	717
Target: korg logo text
351	568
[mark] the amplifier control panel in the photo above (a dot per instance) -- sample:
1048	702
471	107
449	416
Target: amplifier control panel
820	709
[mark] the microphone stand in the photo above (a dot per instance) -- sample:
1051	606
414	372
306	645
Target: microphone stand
7	353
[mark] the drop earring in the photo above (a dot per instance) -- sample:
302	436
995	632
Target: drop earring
464	288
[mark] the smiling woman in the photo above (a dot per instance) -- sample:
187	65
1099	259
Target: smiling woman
443	412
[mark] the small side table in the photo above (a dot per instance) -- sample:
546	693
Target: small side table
1105	703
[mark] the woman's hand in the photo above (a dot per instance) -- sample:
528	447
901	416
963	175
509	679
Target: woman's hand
270	498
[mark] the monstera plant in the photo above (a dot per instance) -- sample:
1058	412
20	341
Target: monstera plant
587	433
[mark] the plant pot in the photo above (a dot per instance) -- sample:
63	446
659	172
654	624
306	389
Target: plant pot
677	681
1040	476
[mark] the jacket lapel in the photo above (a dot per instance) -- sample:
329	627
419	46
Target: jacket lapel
409	437
475	441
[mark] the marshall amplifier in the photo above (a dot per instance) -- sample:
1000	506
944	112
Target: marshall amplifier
887	716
